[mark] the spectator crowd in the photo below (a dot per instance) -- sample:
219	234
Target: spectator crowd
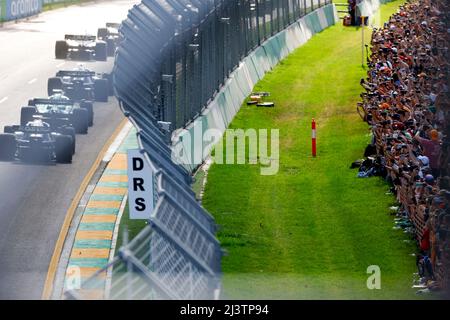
406	104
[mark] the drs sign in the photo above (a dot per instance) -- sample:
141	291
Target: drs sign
16	9
140	186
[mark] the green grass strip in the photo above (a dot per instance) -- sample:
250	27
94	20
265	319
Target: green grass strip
312	230
63	4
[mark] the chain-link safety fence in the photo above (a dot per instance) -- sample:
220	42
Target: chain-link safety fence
187	49
175	58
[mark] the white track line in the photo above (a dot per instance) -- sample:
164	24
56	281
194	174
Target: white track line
32	81
4	99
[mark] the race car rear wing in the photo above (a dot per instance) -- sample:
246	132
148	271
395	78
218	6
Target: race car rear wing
112	25
79	37
52	102
35	129
75	73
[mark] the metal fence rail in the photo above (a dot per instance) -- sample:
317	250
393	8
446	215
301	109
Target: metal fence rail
176	257
175	57
178	53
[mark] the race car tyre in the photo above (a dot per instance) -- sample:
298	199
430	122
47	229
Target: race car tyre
26	114
80	120
63	149
101	51
90	109
102	33
70	131
61	49
111	45
7	146
8	129
109	77
101	90
31	102
54	84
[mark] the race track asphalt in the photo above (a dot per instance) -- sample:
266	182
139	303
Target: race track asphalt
34	198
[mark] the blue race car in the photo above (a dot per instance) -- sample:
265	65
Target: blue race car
110	34
81	47
81	85
59	111
36	142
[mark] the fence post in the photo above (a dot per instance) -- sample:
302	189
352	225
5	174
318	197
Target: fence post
313	138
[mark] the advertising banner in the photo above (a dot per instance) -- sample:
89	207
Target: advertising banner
16	9
2	10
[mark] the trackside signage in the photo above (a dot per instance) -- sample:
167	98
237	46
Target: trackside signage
2	10
52	1
140	186
16	9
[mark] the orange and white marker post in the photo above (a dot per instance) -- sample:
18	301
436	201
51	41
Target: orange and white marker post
314	148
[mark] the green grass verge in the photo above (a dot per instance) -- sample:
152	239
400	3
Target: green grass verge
53	6
198	183
133	227
310	231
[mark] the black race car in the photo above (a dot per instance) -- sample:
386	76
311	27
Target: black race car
36	141
81	47
111	36
81	85
58	111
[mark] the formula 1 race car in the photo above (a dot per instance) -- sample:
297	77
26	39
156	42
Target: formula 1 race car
81	85
81	47
36	141
58	111
111	36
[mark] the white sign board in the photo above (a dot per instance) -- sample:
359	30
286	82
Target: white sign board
140	186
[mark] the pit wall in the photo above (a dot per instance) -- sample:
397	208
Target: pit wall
189	148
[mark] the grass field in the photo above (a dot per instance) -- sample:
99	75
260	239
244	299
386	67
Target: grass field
311	231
